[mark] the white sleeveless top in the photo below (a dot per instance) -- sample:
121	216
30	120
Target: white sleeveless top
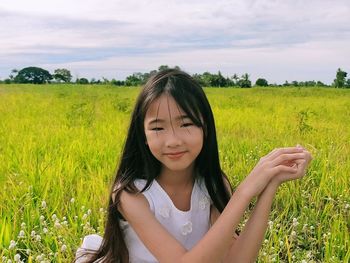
188	227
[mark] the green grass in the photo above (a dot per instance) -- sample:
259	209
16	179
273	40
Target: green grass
60	145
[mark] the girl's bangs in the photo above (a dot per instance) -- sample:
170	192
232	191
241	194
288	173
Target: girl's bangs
189	104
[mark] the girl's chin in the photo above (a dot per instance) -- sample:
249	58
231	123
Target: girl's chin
177	168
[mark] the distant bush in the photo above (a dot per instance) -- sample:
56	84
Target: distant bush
82	81
261	82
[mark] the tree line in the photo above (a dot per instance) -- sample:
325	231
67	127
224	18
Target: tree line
36	75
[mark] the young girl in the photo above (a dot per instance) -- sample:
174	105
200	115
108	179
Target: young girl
170	200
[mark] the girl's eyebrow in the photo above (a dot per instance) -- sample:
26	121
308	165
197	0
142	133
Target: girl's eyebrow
156	120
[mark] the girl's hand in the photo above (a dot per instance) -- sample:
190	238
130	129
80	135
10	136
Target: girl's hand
277	162
301	166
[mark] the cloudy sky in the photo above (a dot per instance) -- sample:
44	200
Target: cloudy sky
277	40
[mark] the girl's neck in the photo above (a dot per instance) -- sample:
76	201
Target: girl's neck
176	179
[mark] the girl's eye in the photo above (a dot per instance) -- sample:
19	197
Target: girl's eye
157	129
187	124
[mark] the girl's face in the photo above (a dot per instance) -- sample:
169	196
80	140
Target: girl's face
171	135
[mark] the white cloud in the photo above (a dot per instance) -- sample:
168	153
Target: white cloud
310	61
281	39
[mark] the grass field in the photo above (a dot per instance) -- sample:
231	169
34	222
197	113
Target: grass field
60	145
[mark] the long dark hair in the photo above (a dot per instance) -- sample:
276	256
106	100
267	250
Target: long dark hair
138	162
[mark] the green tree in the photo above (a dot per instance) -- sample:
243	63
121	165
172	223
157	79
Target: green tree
82	81
105	80
221	80
163	67
33	75
261	82
62	75
339	80
206	78
133	80
12	75
117	82
244	81
295	83
286	83
347	83
235	79
320	84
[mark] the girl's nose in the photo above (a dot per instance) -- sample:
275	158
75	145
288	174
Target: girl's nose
173	140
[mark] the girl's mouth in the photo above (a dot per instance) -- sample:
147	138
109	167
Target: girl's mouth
175	155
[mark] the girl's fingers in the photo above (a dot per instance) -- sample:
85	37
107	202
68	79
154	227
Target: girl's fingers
293	162
285	169
276	152
287	157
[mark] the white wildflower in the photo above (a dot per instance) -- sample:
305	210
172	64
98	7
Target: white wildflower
57	224
72	200
309	254
43	204
270	224
42	218
23	225
295	222
63	248
54	217
12	244
17	258
45	230
21	234
32	234
89	212
38	238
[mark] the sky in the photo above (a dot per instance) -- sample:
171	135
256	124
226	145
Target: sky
276	40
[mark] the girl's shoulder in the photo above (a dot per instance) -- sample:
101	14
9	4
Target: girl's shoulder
140	183
91	244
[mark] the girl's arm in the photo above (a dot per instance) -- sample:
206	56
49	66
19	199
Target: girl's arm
217	241
211	248
246	247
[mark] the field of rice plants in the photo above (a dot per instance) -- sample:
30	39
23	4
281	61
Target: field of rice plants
60	145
